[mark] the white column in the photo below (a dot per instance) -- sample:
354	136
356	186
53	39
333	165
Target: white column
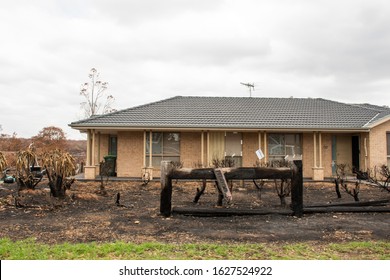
150	148
88	163
320	148
208	148
365	153
144	151
315	148
265	147
93	148
201	148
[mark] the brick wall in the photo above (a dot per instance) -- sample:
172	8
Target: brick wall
377	145
103	142
130	154
307	154
131	147
190	148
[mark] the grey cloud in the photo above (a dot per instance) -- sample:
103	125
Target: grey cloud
131	11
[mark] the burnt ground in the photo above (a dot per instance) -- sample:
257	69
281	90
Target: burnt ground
87	216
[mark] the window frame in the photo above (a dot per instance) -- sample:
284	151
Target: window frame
158	142
112	149
285	146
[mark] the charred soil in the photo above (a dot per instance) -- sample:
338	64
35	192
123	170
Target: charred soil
89	215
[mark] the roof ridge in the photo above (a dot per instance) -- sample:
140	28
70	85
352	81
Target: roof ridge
373	107
250	97
368	106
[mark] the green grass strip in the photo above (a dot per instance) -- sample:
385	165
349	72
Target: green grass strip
30	250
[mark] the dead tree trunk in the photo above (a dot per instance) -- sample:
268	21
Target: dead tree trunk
297	189
200	191
166	191
337	188
283	188
56	187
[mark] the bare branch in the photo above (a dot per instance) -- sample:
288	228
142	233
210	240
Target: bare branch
94	92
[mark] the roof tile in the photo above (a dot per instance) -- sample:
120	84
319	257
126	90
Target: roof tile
241	112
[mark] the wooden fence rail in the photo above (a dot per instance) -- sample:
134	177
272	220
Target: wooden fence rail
168	173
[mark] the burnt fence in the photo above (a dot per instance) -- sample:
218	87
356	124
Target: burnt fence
169	173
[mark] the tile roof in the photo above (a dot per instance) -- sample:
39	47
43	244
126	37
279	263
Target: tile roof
241	113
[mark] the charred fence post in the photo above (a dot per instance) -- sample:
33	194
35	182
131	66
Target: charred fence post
297	189
168	173
166	188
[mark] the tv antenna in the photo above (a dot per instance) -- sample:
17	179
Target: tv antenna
250	87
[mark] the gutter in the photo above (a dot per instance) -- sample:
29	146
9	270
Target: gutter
238	129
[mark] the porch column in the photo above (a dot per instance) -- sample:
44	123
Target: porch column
259	140
90	169
150	148
88	163
365	154
202	148
208	148
93	148
315	149
320	148
144	151
265	147
318	170
147	168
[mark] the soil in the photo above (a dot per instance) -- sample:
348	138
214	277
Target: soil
88	215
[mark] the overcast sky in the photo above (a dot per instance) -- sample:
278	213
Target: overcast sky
149	50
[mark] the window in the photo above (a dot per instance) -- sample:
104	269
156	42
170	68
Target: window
233	147
388	148
164	146
282	145
112	146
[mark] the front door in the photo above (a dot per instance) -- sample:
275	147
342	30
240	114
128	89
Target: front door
346	150
355	153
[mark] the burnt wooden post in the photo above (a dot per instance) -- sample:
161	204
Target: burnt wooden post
166	188
297	189
168	172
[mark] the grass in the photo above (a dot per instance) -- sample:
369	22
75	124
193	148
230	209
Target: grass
30	250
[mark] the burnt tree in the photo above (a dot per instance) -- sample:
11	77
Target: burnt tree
59	167
341	180
28	171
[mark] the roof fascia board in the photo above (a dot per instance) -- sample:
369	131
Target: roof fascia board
121	128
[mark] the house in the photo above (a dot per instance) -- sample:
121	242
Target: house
196	130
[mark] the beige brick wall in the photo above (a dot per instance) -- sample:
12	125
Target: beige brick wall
130	150
104	139
130	154
190	148
377	145
307	154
